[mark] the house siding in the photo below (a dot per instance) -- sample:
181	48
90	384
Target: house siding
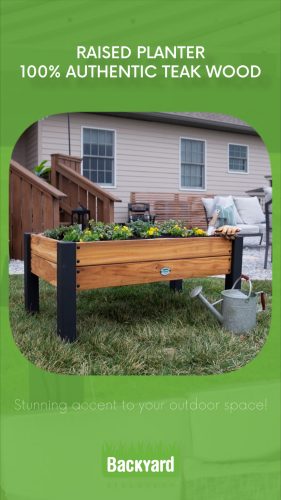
148	155
26	149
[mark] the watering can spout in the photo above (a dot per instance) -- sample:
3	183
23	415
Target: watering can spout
196	292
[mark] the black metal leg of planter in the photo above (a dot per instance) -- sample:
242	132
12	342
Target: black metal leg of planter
176	285
236	264
31	281
66	291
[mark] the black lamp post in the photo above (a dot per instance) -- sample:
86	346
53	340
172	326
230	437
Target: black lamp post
80	216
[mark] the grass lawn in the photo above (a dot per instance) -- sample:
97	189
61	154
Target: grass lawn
136	330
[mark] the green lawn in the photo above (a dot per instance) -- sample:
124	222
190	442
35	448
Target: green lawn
136	330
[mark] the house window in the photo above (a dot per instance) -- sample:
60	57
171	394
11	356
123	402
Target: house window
98	155
238	158
192	164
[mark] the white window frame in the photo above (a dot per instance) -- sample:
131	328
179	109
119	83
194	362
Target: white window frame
182	188
248	159
96	127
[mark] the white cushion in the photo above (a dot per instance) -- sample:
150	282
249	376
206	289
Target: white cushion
209	204
223	201
251	241
249	228
268	194
249	210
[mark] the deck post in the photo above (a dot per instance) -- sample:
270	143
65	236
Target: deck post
31	281
66	290
176	285
236	264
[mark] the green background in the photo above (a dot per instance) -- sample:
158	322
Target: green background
219	456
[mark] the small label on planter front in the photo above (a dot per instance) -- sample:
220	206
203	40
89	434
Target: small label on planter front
165	271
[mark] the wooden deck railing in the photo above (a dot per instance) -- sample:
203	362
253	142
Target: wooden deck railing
34	206
79	190
73	162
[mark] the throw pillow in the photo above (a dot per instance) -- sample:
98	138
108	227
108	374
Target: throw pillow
226	201
249	210
226	213
209	204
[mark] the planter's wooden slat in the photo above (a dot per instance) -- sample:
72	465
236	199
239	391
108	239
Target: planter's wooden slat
103	276
44	269
110	252
44	247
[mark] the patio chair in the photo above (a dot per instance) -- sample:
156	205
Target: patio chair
247	212
140	211
268	231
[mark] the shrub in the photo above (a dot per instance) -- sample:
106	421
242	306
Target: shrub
98	231
42	170
121	232
174	228
139	228
63	233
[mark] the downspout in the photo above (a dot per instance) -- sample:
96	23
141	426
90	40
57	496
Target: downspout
68	129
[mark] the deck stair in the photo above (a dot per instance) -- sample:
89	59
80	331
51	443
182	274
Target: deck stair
36	205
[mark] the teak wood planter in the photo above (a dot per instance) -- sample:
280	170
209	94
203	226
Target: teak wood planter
72	267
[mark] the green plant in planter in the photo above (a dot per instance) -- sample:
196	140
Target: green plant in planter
153	232
73	234
63	233
121	233
99	231
102	231
42	170
89	235
139	228
174	228
196	231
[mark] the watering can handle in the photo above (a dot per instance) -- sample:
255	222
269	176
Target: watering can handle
246	278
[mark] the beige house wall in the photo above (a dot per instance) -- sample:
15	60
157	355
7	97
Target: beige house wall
26	148
148	155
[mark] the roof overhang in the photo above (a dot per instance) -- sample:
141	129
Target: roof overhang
187	121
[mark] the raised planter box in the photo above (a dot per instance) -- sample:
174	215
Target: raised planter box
72	267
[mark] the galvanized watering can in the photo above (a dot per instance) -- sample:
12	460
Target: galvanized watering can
239	311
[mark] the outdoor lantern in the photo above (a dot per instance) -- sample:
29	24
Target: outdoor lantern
80	216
